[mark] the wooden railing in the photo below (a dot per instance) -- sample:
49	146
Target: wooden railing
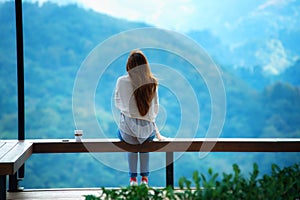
169	145
18	152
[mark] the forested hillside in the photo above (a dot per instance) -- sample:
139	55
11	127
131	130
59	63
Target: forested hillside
57	39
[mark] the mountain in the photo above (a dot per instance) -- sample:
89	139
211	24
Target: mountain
259	45
260	62
57	39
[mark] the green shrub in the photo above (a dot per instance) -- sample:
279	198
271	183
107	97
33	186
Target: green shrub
280	184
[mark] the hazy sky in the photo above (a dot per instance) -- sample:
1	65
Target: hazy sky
180	15
230	20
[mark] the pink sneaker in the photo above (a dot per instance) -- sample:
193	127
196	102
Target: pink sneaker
133	181
144	180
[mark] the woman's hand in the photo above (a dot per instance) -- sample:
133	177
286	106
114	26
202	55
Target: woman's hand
160	137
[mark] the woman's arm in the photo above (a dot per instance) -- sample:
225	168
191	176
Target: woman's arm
158	135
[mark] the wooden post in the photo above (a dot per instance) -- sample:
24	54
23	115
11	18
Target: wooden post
3	187
170	169
20	77
13	183
20	69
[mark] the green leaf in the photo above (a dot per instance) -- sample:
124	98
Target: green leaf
91	197
181	182
196	179
236	169
210	171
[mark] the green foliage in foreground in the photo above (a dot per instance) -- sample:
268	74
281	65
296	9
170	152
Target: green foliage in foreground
280	184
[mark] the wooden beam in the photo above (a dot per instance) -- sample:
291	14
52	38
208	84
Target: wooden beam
170	145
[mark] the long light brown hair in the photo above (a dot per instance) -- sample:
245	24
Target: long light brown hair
143	81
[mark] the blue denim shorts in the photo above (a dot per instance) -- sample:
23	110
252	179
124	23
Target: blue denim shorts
133	140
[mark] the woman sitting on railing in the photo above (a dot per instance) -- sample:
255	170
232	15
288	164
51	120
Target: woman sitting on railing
137	99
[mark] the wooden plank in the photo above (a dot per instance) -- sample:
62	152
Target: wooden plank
6	147
1	144
255	146
170	145
91	145
57	194
15	158
60	194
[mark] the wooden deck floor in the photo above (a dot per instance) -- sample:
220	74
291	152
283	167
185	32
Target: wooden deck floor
57	194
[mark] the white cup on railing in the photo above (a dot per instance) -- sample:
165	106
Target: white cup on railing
78	135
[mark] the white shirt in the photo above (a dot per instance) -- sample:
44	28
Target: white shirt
125	101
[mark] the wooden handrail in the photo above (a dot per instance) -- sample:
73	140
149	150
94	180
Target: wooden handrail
169	145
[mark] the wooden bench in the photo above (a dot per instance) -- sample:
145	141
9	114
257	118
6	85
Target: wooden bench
14	153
